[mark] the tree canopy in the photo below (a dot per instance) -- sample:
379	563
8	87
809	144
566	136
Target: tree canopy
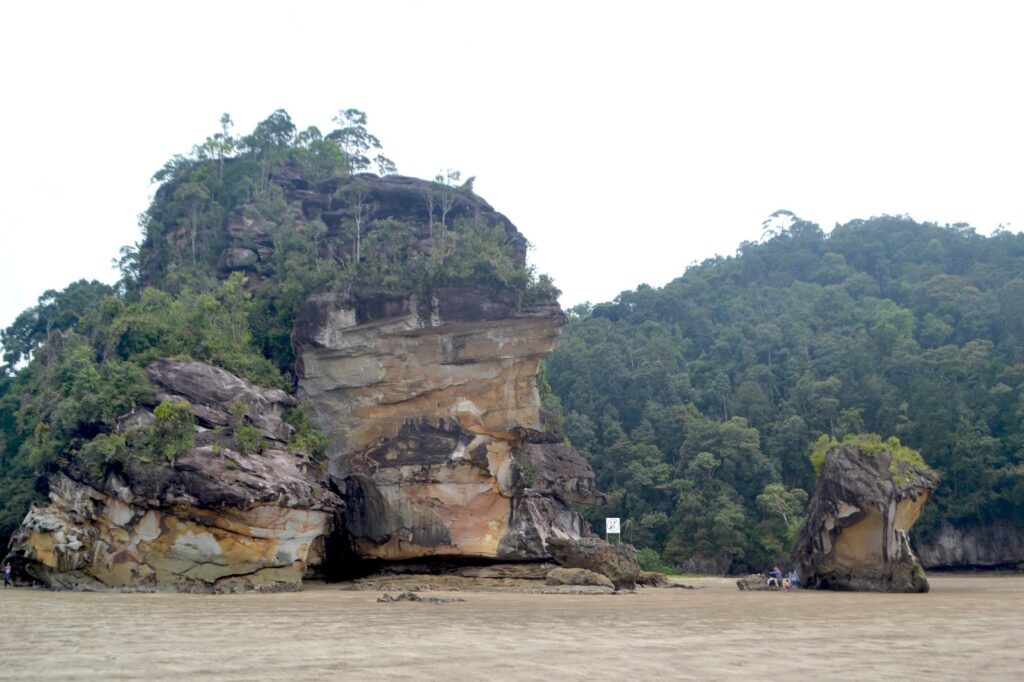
699	402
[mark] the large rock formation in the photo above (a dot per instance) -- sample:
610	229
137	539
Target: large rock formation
431	406
855	535
997	545
215	520
428	399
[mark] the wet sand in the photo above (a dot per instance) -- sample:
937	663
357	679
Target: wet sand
968	627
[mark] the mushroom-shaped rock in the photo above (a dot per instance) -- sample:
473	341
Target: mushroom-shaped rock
855	537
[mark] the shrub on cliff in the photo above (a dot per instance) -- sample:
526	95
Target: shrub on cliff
70	397
212	327
869	444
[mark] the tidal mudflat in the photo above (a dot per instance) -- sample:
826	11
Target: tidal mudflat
967	627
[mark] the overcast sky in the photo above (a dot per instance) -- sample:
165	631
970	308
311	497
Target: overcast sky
626	140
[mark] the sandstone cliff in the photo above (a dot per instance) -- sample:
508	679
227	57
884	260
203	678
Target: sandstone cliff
997	545
855	536
430	405
214	520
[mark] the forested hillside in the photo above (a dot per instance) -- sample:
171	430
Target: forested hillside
698	403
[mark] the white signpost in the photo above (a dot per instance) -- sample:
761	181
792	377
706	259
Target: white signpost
611	527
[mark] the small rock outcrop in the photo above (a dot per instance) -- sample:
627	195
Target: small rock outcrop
559	470
855	535
755	582
617	562
652	579
577	576
524	571
412	596
214	520
211	391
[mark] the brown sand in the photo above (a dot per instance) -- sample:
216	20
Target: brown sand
968	627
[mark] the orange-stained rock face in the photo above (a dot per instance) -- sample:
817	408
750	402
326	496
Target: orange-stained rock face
367	377
426	404
92	538
106	543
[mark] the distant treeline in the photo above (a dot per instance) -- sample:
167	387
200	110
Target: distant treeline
698	403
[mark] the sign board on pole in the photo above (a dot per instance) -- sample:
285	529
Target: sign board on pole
611	525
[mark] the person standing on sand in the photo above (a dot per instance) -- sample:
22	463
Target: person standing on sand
7	575
775	579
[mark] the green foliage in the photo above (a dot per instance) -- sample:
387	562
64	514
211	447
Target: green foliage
357	143
885	326
17	476
247	438
649	560
529	474
211	327
70	397
869	444
173	431
54	311
307	437
171	435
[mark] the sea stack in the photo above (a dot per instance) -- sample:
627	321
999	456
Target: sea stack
856	533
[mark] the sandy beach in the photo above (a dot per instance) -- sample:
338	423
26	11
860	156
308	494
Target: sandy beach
968	627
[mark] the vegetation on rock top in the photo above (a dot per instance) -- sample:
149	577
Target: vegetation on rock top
240	232
869	444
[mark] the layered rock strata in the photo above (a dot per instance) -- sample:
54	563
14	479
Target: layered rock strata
995	545
855	536
431	409
215	520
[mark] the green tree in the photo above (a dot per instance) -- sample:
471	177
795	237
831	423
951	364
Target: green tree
357	143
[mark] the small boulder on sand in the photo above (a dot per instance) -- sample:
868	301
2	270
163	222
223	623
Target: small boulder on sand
652	579
577	576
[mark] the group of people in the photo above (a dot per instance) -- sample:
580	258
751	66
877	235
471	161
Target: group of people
778	581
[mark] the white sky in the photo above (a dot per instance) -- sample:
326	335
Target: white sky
625	140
